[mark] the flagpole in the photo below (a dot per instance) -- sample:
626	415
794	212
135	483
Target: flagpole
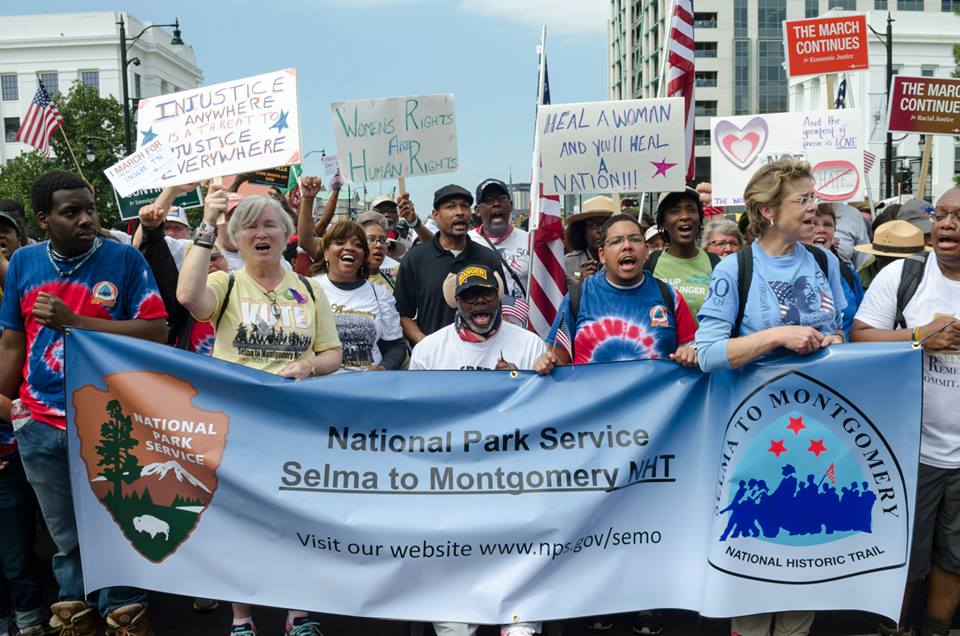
70	148
661	83
534	219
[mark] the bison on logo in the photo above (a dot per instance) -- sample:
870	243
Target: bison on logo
151	456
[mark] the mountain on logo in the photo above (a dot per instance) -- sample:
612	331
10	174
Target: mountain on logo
168	480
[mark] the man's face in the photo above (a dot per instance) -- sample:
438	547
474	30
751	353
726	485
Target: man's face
623	253
453	217
478	307
945	234
389	212
9	240
71	221
681	221
176	230
495	210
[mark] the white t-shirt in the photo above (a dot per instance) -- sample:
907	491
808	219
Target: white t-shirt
445	350
515	250
177	246
940	438
363	316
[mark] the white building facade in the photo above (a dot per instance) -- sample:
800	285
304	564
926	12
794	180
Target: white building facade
65	48
739	53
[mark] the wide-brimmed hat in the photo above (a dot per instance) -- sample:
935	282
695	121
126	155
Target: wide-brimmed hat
896	239
599	207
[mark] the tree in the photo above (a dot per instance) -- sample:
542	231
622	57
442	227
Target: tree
116	441
87	118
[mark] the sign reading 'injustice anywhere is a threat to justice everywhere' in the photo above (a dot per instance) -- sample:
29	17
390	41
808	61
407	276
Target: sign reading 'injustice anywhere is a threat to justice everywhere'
784	486
926	105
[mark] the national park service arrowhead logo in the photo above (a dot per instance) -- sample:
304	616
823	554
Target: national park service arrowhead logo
151	456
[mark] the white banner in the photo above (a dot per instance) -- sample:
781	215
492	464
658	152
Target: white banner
832	141
141	169
239	126
380	139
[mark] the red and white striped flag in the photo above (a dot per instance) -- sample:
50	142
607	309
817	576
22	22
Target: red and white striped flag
548	280
40	122
679	70
831	474
868	160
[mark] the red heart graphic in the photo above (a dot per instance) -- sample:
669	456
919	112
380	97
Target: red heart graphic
741	152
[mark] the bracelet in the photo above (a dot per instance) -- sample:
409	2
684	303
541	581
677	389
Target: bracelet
415	224
915	335
205	234
202	243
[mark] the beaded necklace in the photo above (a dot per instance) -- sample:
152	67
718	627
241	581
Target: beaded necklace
57	260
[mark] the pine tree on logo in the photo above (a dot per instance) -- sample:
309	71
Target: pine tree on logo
116	441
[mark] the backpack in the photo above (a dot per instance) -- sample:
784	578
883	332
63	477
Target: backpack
910	277
745	275
651	263
230	282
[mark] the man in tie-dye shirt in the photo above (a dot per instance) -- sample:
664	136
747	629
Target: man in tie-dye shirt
75	279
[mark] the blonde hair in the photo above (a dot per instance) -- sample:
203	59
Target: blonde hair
249	211
768	186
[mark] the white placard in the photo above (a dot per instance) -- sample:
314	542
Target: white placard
617	146
142	169
330	165
831	140
381	139
230	128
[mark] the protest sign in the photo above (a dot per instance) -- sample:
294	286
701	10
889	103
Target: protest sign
379	139
330	165
926	105
381	495
144	167
130	206
618	146
826	45
278	177
832	141
239	126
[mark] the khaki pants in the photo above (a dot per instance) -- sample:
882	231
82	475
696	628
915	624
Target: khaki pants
785	624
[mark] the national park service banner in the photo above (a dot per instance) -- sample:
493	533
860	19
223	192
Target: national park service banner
492	497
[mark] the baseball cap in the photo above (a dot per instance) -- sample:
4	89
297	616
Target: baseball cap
178	215
449	192
917	212
669	197
11	220
470	276
491	183
380	200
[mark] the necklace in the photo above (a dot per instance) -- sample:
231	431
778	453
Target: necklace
75	261
274	306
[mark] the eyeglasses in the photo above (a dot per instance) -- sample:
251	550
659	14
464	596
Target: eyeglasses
940	216
377	240
474	294
807	199
731	244
633	239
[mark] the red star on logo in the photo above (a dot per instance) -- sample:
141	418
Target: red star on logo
777	447
662	167
817	447
796	425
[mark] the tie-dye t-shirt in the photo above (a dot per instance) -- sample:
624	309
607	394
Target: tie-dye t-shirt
114	284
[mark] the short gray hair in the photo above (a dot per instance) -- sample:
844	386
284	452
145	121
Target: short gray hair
368	218
721	226
248	212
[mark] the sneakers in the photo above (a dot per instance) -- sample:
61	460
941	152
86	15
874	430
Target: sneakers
243	629
205	605
648	624
129	620
73	618
599	624
516	630
304	626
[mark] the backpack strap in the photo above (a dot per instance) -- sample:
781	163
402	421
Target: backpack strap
668	301
576	292
910	278
651	263
846	273
821	257
306	283
744	275
226	299
714	260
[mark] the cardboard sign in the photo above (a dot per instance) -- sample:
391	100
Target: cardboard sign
144	167
240	126
826	45
330	165
928	105
832	141
278	177
130	206
617	146
379	139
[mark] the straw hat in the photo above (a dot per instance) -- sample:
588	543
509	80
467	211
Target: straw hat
599	207
897	239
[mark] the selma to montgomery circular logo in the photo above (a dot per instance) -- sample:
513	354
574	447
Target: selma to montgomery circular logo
809	490
151	456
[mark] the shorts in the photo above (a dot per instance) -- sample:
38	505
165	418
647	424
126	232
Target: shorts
936	524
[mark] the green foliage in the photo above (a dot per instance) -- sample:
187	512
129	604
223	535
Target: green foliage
179	501
87	118
116	440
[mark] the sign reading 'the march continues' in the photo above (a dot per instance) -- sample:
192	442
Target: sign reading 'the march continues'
826	45
927	105
397	501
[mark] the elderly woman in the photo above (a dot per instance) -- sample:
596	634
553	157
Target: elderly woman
365	313
794	301
722	237
285	327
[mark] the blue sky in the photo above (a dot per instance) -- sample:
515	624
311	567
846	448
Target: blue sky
482	51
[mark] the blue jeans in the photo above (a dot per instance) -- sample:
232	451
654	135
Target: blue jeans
43	450
19	581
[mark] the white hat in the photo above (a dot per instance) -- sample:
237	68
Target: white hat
177	215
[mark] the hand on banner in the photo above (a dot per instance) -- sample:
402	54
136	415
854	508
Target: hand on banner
685	356
53	313
503	365
375	367
802	340
310	187
405	209
336	182
948	338
705	188
832	340
214	204
298	370
152	215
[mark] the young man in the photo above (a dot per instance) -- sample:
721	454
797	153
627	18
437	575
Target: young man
929	317
75	279
495	209
419	291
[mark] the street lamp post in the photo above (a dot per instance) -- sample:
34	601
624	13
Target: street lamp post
888	153
175	41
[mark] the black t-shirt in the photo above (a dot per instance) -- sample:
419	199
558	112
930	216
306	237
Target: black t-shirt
419	290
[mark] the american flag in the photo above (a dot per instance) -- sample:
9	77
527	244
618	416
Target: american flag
841	101
40	122
515	310
831	474
680	65
562	334
787	297
868	160
548	281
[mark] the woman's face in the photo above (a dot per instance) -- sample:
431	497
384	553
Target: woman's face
377	241
591	233
264	240
795	217
823	230
681	222
722	245
344	258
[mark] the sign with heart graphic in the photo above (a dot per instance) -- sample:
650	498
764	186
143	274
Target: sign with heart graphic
740	146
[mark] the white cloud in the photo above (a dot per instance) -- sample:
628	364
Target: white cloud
562	17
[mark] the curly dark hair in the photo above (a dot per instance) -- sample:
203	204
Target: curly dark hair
41	194
342	231
576	235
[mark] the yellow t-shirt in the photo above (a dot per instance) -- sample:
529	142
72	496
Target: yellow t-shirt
268	331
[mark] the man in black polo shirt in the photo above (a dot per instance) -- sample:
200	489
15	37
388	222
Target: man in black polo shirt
419	290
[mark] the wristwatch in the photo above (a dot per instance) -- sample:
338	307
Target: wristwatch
205	235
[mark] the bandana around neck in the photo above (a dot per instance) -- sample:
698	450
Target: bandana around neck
469	336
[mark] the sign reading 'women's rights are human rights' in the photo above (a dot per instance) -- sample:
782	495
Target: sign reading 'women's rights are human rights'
381	495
